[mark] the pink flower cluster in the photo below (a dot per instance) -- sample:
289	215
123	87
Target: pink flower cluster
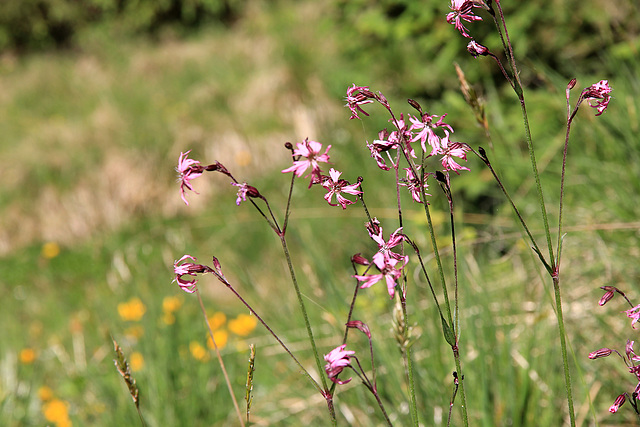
310	155
630	358
422	129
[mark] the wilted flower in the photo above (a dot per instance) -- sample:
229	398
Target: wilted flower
337	360
187	269
413	184
309	152
245	190
188	169
461	11
476	49
382	145
598	95
334	186
357	96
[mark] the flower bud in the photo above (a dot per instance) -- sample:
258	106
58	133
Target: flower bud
603	352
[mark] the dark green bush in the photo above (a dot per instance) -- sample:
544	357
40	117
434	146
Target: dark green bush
42	24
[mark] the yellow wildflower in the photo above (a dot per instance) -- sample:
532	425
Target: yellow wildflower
27	356
50	250
57	411
45	393
168	318
217	320
171	304
132	310
198	351
221	338
136	361
243	324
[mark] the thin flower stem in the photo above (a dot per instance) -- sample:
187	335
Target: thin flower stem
536	249
409	365
536	175
517	87
303	309
224	370
456	327
563	345
367	383
282	344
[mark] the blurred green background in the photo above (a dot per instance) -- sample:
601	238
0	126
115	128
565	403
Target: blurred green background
98	99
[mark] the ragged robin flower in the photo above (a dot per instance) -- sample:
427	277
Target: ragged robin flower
187	269
357	96
334	186
188	169
388	272
337	360
310	156
461	10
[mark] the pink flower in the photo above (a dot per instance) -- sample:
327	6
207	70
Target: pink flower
310	152
357	96
618	403
451	150
634	315
337	360
388	272
402	135
384	247
427	132
382	145
413	184
187	169
598	93
187	269
335	186
245	190
461	11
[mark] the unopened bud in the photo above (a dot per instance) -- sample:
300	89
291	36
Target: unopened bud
572	84
618	403
606	298
359	259
415	105
603	352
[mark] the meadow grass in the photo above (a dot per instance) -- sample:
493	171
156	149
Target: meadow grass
90	139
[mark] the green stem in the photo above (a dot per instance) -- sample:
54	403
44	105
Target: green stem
409	366
563	344
303	309
536	175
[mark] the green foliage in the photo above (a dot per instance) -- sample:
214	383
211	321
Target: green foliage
410	42
42	24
